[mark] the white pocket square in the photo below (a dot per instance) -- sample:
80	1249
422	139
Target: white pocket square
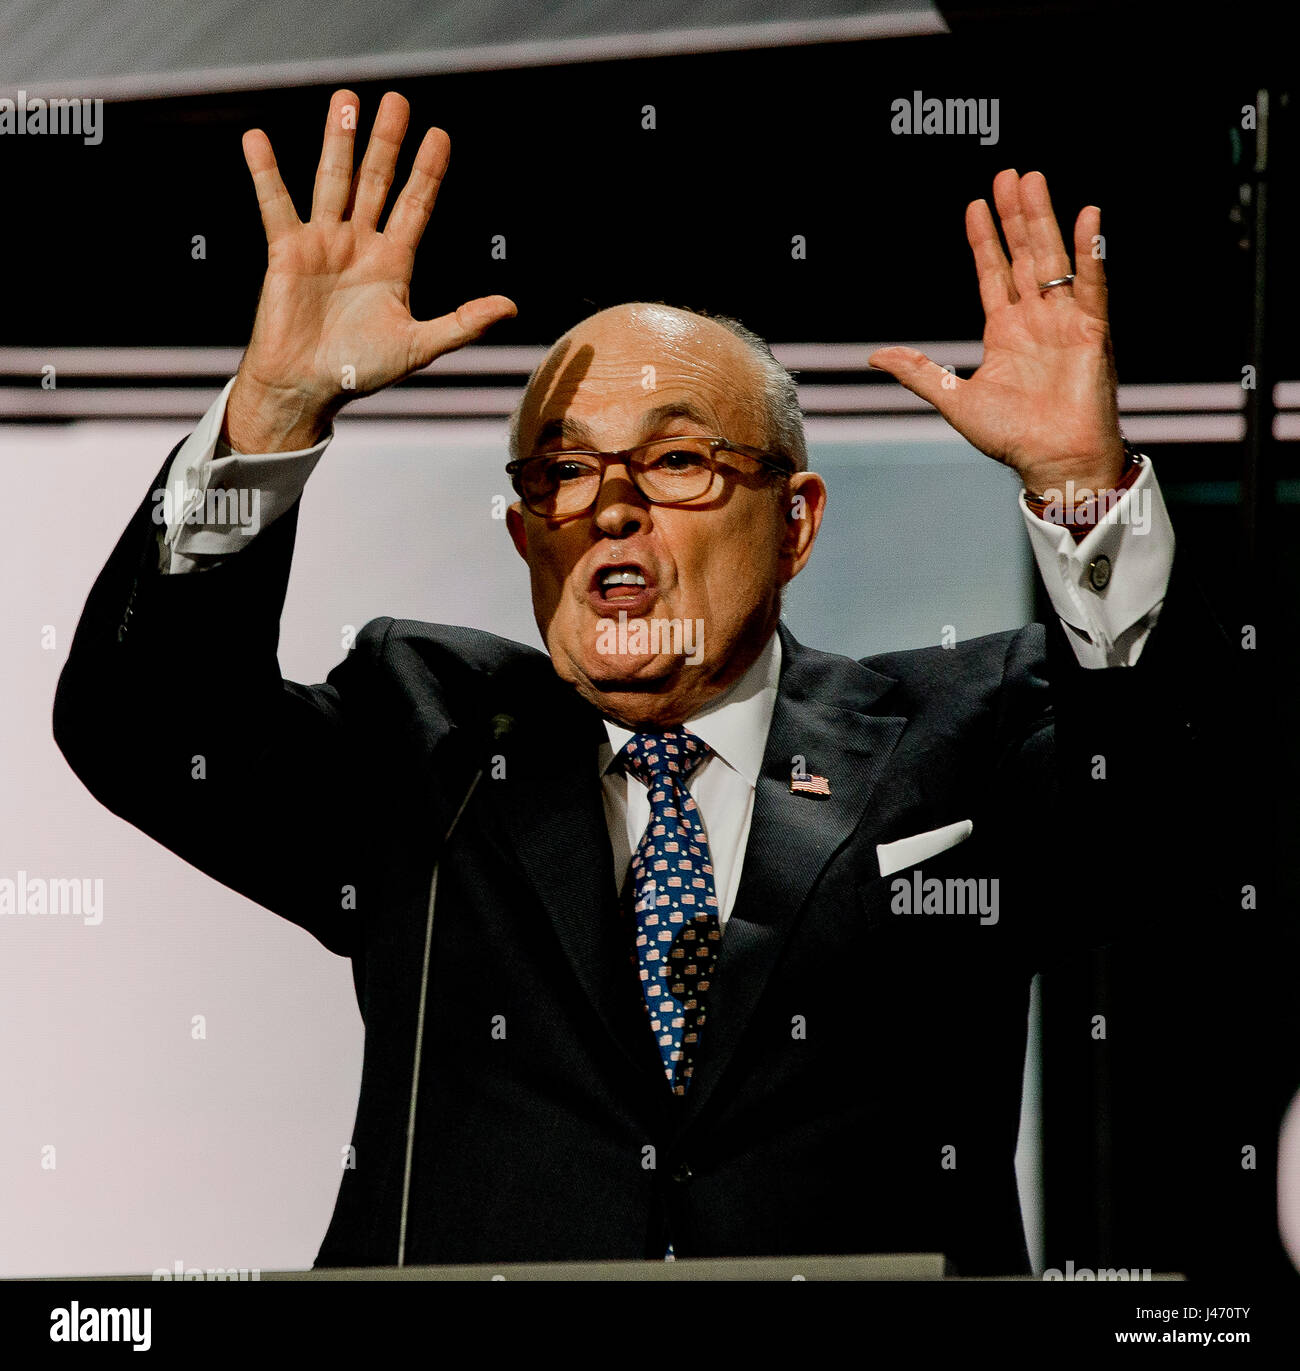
909	851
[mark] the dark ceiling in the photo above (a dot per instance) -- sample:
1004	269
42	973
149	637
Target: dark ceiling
749	149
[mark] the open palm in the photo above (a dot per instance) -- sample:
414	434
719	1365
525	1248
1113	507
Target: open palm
1043	400
334	320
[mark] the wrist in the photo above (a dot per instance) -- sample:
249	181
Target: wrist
1099	470
261	419
1080	507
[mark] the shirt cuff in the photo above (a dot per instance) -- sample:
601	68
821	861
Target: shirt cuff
1108	587
215	500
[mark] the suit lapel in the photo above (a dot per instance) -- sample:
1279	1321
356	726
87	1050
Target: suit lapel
551	814
553	817
820	715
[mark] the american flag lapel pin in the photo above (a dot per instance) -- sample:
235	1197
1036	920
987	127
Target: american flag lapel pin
808	784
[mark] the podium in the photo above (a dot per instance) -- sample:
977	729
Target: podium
906	1266
909	1266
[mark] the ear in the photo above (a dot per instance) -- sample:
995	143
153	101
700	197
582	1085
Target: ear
517	528
805	504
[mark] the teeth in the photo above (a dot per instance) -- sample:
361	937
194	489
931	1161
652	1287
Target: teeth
621	578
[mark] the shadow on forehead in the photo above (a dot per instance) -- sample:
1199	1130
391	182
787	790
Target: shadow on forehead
556	380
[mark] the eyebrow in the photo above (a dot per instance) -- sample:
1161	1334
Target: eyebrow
566	429
575	431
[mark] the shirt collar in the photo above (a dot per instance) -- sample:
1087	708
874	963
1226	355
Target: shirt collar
735	725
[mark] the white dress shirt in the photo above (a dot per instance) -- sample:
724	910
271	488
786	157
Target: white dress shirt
735	726
1107	590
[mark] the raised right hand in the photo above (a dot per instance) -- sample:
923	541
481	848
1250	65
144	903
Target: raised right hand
334	320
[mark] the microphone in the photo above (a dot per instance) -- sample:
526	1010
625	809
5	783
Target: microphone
502	724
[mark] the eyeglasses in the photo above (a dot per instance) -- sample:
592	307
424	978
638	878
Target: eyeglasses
667	471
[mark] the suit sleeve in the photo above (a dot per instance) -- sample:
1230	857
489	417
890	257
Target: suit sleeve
1152	906
172	711
1113	780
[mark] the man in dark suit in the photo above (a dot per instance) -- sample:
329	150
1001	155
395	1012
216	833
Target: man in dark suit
730	941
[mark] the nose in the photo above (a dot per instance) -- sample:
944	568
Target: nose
620	509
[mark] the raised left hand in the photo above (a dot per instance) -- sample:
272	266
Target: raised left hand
1043	400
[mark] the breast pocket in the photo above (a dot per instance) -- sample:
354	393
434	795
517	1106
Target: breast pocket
916	848
951	887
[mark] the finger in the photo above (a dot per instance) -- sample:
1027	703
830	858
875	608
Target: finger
1050	258
380	162
1090	274
275	202
462	326
1006	195
996	286
410	216
919	374
334	172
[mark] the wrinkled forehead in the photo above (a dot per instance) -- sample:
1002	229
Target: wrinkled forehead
622	377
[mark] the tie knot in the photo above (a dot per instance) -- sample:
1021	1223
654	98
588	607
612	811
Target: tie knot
658	757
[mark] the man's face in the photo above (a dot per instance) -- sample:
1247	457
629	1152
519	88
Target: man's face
716	566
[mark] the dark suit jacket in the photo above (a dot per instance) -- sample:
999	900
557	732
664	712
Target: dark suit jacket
860	1080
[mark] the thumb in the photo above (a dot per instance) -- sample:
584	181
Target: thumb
933	383
451	331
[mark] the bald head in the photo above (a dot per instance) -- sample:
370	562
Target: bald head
762	396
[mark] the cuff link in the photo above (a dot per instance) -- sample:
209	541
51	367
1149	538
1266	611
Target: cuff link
1099	572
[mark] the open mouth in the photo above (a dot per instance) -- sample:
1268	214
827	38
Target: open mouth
620	583
623	586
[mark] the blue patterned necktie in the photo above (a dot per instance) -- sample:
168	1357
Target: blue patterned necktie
671	881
